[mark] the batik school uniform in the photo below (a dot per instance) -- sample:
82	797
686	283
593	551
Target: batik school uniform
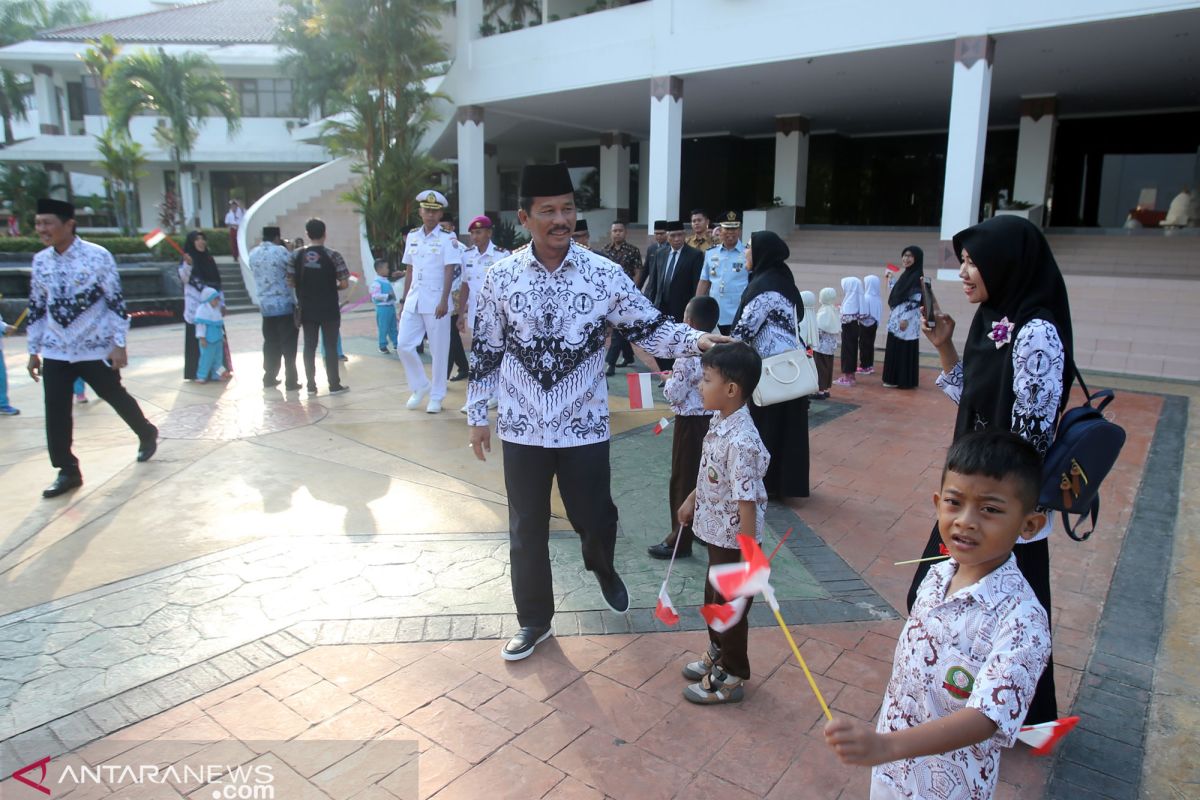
384	298
901	357
733	464
210	333
682	391
982	647
852	309
829	331
868	324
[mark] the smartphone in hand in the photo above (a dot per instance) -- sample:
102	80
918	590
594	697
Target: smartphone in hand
927	303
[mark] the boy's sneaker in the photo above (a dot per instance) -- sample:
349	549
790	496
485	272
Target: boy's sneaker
384	350
81	398
9	411
339	389
698	669
844	381
716	687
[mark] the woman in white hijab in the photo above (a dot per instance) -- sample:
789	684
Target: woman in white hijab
829	328
852	308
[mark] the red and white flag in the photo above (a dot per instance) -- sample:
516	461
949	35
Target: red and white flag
641	390
1043	738
892	268
665	610
154	237
662	425
747	577
723	616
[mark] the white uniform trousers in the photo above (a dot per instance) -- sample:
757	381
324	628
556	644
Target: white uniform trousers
413	328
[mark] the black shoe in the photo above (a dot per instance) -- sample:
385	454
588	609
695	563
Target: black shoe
616	596
312	388
612	370
270	384
293	387
663	551
339	389
459	376
384	350
148	446
521	645
62	484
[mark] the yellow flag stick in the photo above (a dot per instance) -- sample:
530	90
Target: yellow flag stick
920	560
811	682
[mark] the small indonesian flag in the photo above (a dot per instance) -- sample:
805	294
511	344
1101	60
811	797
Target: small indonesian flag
665	610
154	237
723	616
662	425
1042	738
641	393
943	550
747	577
892	268
353	278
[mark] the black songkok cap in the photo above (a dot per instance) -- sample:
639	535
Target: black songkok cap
660	225
270	233
674	225
581	226
60	208
546	180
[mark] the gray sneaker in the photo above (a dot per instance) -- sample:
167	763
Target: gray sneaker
696	670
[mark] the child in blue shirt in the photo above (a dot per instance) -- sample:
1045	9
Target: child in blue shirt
383	295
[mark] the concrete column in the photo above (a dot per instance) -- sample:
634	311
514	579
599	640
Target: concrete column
491	180
187	196
1035	149
614	173
643	182
49	113
666	134
791	160
60	187
969	98
469	16
471	163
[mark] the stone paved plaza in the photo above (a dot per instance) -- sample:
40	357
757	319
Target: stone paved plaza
332	571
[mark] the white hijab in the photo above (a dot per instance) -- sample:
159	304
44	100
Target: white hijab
872	302
828	319
852	297
205	313
808	325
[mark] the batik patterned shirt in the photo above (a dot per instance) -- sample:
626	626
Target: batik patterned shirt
626	256
76	307
269	265
539	345
908	311
682	388
768	324
733	464
984	647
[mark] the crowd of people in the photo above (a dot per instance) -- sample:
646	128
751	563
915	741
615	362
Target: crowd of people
547	325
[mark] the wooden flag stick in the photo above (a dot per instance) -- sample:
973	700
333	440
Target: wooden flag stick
21	318
782	539
800	658
919	560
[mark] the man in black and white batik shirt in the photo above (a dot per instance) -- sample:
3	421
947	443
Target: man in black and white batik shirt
543	316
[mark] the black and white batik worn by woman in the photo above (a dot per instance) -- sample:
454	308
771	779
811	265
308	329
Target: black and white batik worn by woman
1015	372
543	316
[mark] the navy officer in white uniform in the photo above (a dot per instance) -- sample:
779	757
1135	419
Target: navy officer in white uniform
431	255
543	316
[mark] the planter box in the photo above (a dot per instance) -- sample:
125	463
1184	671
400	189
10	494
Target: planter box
1034	214
781	220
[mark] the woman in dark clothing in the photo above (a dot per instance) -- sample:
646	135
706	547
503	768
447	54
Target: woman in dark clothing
900	364
767	319
197	271
1015	372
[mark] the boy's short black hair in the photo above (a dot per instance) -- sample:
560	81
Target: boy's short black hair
315	228
382	262
999	455
704	311
737	362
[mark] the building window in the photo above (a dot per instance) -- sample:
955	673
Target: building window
91	97
265	97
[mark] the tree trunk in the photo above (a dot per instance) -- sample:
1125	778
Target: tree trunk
7	112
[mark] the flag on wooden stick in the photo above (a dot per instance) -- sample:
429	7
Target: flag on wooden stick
1043	738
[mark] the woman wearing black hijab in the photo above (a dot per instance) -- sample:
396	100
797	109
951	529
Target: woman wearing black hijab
900	366
1015	372
767	318
198	271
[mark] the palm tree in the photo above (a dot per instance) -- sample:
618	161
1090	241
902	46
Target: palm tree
182	90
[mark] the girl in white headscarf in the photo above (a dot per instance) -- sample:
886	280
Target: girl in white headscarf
868	325
829	329
852	309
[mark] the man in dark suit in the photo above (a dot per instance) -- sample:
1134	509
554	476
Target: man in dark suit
673	278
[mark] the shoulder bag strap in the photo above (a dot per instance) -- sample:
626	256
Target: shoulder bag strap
1071	529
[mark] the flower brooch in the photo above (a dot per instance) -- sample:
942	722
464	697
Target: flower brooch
1001	332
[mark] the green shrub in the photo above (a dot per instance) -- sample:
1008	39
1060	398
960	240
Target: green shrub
218	243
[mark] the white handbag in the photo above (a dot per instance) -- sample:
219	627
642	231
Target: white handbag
787	375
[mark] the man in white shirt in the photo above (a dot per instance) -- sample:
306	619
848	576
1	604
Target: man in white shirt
431	255
544	313
233	221
77	328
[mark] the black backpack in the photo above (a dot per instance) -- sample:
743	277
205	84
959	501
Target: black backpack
1084	450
